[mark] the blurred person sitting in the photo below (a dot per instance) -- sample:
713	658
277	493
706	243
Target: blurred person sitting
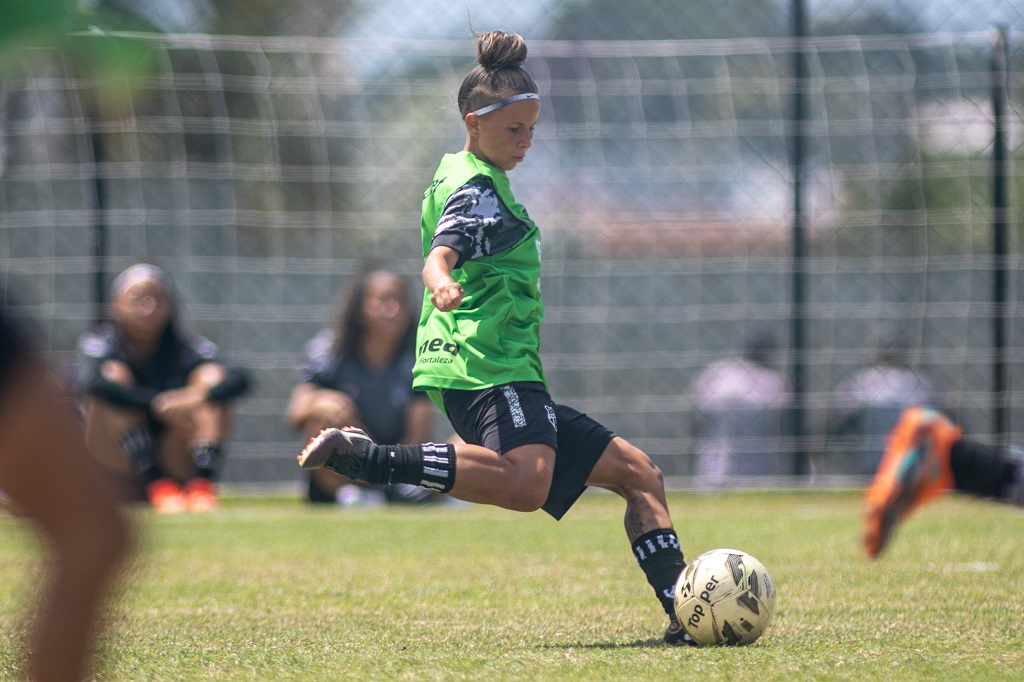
359	373
157	398
742	415
866	406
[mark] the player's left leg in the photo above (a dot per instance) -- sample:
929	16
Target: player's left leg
507	458
517	480
627	471
200	455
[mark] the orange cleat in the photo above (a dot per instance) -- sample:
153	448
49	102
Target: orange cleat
914	469
165	496
201	495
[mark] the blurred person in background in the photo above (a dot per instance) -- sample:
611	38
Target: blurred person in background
157	397
49	478
742	415
478	348
865	406
359	373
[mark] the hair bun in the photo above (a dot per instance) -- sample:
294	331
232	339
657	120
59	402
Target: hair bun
499	50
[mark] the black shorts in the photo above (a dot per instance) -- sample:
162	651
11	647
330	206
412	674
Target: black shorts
509	416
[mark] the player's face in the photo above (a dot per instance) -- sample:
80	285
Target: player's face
143	310
502	137
385	308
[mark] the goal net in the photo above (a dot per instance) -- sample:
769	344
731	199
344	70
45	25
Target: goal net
262	173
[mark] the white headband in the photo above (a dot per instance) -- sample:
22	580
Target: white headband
508	100
141	272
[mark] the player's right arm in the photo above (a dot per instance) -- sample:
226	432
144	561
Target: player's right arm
474	224
445	293
101	373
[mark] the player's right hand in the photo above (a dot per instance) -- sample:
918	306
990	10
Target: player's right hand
447	296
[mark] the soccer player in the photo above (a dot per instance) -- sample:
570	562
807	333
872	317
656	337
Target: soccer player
926	456
157	398
478	347
49	478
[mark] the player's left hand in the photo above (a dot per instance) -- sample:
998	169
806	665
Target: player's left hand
177	406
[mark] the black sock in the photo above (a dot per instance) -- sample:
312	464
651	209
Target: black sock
1013	493
988	471
207	457
661	560
139	446
430	465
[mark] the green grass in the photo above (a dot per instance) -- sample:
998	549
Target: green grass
269	589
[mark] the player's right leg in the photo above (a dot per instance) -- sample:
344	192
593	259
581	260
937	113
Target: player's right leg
517	480
520	425
914	469
340	450
123	440
124	444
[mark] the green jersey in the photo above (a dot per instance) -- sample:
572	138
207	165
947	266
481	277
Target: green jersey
493	337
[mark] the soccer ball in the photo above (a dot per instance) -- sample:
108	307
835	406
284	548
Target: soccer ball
725	596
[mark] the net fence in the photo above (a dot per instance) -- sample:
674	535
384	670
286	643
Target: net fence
262	173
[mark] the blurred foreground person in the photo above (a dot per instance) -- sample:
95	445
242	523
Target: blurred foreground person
927	456
49	478
158	410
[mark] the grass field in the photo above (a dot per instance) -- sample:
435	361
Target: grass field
269	589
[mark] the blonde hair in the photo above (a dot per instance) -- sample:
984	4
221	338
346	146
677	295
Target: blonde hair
499	72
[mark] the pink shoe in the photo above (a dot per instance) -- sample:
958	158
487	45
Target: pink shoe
165	496
201	495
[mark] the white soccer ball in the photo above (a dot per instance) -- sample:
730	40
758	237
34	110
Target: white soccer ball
725	596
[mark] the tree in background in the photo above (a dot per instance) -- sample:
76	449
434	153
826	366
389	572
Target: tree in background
230	17
658	20
198	123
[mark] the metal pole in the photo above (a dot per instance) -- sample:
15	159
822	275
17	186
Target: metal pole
99	245
1000	240
801	458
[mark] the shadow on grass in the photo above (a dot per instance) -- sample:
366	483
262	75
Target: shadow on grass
636	644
